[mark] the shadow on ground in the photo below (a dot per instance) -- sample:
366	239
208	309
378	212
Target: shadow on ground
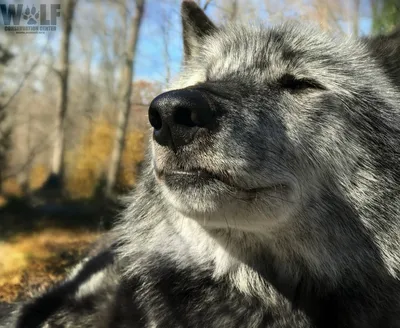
40	240
26	215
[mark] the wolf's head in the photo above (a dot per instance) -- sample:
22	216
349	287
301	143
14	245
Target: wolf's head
261	120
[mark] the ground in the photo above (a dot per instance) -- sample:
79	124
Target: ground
40	244
31	262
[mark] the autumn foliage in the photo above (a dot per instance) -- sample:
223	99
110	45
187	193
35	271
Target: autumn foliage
36	260
88	163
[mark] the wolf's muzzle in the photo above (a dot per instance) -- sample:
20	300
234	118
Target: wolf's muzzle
178	115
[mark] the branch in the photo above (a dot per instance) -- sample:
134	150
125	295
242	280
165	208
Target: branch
206	4
25	77
33	153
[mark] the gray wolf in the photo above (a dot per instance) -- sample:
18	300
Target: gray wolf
269	198
386	50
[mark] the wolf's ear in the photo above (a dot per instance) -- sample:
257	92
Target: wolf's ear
195	25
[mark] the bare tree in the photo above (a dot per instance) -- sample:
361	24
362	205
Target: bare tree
205	4
231	10
5	55
125	106
5	145
323	13
85	38
57	165
9	125
5	129
356	17
111	36
165	29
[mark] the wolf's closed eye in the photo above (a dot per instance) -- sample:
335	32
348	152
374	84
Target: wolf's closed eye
289	81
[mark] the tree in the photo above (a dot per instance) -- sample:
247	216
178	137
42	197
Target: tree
57	164
356	17
125	105
5	129
229	10
385	15
165	28
5	144
5	55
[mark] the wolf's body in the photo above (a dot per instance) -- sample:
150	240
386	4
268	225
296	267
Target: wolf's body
295	222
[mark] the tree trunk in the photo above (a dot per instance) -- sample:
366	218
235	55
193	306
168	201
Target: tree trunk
233	13
57	165
165	34
356	18
125	105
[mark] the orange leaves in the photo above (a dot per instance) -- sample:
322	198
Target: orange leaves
88	163
37	259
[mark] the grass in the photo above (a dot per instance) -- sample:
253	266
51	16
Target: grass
41	241
31	261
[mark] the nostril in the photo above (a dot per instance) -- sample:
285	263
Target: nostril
183	116
155	119
200	118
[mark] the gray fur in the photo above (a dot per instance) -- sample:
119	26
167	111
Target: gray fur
386	50
304	230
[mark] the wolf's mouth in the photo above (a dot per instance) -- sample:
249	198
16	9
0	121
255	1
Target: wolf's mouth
195	174
201	176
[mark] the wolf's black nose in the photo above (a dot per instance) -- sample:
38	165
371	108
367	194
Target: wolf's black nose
177	115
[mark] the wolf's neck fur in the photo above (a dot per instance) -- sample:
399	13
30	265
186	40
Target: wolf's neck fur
299	261
306	264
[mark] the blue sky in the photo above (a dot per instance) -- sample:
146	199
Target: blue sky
151	61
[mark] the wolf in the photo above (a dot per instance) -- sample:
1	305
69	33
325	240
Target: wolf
270	196
386	50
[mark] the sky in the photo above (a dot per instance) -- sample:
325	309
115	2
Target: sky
150	46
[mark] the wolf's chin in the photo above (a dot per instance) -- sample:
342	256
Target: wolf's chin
201	198
218	208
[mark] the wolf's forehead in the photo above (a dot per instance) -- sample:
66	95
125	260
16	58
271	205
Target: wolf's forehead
263	54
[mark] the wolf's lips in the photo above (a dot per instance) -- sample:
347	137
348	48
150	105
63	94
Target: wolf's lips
190	176
198	177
